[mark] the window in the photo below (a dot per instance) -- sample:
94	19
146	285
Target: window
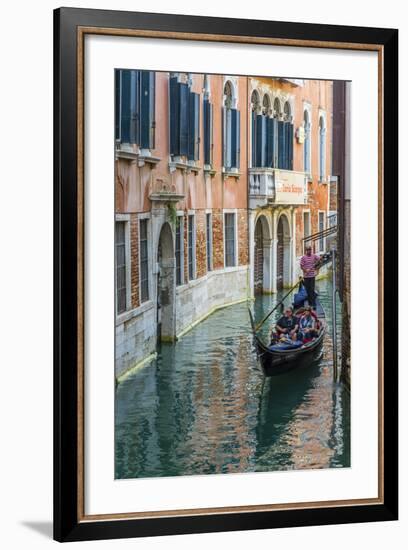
229	232
190	248
184	120
209	241
135	107
306	226
322	149
208	132
121	289
306	143
179	250
144	261
321	228
231	130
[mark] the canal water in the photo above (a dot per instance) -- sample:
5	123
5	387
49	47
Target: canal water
204	406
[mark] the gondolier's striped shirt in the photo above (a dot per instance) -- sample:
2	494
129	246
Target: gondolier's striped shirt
309	262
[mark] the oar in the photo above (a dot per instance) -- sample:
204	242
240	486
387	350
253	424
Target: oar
258	326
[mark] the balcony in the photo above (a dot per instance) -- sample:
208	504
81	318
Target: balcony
272	186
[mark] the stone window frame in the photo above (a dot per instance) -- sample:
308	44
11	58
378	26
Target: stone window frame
125	218
150	251
235	212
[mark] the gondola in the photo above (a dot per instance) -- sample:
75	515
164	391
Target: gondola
275	362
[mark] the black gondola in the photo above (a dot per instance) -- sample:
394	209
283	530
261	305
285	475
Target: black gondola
275	362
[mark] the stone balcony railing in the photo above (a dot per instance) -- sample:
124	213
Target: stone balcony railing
270	186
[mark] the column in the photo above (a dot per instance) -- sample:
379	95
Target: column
267	265
251	229
274	251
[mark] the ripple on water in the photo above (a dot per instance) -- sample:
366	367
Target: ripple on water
204	407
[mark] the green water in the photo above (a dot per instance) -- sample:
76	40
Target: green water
204	406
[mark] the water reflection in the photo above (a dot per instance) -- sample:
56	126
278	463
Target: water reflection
205	407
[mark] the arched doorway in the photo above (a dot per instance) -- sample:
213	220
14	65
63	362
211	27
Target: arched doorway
262	249
166	287
283	253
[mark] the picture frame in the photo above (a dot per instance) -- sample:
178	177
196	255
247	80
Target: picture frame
71	25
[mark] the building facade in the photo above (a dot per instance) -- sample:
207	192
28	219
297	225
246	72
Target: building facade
218	178
290	123
181	205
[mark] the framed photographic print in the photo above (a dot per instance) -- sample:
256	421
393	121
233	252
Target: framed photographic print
225	261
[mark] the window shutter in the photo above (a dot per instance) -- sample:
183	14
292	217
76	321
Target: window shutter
125	107
259	140
290	167
224	136
193	126
275	143
238	138
174	116
196	126
206	116
134	134
211	132
235	141
152	107
281	143
184	118
270	141
286	146
117	104
253	118
147	101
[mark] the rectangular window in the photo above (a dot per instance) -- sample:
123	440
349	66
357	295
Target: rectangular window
231	138
179	251
209	241
184	120
120	241
144	261
321	228
135	107
229	232
190	243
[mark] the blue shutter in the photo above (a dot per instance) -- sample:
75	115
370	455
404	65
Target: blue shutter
238	139
134	134
259	140
196	126
174	116
275	143
117	103
270	140
254	140
263	142
290	139
224	136
193	126
125	107
235	139
206	110
147	101
281	144
184	118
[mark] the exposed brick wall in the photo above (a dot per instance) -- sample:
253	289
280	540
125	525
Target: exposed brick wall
134	259
201	243
242	220
218	239
185	231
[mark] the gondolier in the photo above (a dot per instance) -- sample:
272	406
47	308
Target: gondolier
308	264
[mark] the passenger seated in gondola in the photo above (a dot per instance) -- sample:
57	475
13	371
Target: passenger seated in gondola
307	325
286	328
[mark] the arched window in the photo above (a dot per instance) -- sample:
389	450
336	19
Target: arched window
306	144
208	123
231	129
287	114
266	105
276	108
322	149
255	111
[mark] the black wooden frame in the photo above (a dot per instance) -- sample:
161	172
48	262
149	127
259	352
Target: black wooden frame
66	524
